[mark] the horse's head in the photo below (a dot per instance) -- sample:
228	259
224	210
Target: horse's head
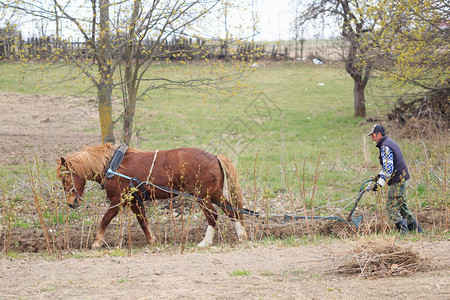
73	184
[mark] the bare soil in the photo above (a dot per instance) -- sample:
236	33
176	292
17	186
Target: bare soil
37	126
244	272
45	127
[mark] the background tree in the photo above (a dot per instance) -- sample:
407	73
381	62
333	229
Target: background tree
412	53
355	25
405	41
173	22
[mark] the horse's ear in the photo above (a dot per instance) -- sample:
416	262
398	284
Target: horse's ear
62	161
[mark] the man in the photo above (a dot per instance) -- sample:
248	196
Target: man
395	174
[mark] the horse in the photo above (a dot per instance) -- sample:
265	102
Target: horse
211	179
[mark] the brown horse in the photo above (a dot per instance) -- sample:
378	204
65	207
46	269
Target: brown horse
210	179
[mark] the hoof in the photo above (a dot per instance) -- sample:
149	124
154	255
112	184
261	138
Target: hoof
202	244
97	245
240	231
208	239
152	239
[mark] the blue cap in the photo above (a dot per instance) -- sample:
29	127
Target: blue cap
377	128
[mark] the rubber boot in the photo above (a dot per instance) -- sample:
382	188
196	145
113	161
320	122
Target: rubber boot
402	226
415	226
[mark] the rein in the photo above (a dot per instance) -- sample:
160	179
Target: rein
162	188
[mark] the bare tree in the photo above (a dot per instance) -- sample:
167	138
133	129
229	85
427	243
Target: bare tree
405	41
354	26
89	25
125	38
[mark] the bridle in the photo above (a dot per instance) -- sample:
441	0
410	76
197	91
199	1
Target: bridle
73	189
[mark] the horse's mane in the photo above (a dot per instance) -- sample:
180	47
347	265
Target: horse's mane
91	161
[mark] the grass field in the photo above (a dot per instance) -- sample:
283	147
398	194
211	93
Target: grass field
290	113
292	127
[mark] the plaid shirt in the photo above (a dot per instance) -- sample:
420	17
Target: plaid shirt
388	163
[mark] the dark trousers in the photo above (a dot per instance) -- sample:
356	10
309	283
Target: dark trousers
396	203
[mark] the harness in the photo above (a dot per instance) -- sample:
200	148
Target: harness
138	185
111	168
73	189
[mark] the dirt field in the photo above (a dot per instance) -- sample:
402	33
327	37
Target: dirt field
33	126
44	126
271	272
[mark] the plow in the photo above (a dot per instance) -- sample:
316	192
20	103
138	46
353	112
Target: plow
350	220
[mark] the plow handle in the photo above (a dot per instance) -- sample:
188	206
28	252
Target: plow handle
360	194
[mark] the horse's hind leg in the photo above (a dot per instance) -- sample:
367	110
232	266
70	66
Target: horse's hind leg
109	215
235	216
239	226
211	216
143	221
240	230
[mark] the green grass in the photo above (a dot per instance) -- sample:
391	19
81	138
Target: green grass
118	252
240	273
22	225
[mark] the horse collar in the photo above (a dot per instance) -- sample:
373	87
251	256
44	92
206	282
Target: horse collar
114	163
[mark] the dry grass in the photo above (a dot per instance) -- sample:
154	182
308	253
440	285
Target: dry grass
423	128
382	258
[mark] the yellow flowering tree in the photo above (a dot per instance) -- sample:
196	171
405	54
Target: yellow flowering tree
413	42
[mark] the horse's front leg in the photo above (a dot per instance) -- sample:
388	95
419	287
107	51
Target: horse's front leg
143	221
109	215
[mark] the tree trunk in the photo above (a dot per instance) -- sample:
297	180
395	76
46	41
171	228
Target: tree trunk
360	77
105	111
132	63
359	98
128	115
106	75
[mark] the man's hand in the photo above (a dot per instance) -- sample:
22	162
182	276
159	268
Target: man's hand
377	177
376	187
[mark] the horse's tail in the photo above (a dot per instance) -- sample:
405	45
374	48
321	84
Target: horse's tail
231	187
